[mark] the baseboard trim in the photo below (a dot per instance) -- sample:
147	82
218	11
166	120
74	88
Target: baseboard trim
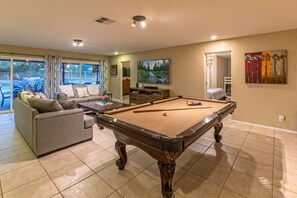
267	127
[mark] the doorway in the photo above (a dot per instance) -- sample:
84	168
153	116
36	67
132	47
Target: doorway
218	75
17	75
126	70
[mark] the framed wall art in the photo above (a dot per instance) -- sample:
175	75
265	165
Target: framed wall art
113	70
153	71
268	67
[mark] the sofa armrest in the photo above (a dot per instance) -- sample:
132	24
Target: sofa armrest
57	129
23	117
57	114
62	96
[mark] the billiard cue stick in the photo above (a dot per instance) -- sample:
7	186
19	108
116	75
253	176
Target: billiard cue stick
154	110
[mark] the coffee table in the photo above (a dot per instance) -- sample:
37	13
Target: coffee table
100	109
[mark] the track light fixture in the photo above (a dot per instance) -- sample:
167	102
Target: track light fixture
139	19
77	43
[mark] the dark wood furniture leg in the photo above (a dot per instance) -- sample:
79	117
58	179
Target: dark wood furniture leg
121	150
167	173
218	127
101	127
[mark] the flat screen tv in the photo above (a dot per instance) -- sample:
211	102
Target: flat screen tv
153	71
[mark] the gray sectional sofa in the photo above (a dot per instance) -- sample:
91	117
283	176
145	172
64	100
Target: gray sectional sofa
46	132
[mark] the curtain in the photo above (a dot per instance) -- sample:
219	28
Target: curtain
57	75
103	75
53	75
48	77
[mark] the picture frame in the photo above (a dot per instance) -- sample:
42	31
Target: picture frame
113	70
153	71
268	67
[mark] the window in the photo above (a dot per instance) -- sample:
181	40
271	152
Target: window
71	73
28	75
80	73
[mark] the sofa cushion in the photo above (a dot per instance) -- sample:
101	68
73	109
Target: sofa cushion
93	90
44	105
25	95
88	121
67	89
77	86
67	104
94	98
41	95
82	92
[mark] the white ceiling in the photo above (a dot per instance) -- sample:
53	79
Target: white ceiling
53	24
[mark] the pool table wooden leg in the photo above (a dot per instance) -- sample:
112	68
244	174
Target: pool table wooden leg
167	173
121	150
218	127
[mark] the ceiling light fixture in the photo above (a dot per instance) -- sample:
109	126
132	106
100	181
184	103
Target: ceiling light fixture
116	53
77	43
213	37
139	19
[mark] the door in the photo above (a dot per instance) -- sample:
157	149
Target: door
5	85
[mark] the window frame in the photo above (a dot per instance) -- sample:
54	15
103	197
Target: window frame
80	63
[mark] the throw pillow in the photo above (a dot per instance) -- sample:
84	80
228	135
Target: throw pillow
67	89
67	104
93	90
36	95
25	95
82	92
41	95
44	105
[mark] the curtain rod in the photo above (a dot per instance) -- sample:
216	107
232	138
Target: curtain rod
11	53
23	54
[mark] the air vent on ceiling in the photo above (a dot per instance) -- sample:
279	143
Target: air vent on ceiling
104	20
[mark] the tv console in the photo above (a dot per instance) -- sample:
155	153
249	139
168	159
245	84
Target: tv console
150	87
143	95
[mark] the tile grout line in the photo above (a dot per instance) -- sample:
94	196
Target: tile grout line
187	170
95	173
232	168
68	166
27	182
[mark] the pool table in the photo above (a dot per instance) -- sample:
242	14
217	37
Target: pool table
165	129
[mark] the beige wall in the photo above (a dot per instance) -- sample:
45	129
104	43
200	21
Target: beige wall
42	52
256	103
222	70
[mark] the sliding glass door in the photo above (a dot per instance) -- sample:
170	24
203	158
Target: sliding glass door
18	75
28	75
5	85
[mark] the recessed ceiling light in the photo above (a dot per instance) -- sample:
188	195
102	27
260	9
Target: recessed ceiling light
116	53
213	37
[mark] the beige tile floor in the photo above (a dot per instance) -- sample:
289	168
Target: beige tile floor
250	162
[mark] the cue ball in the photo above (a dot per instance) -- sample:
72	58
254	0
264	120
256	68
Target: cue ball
164	113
